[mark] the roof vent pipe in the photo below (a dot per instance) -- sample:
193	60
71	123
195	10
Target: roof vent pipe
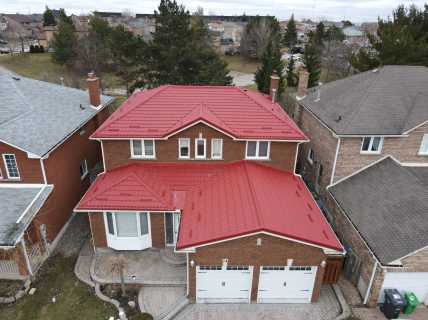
319	92
273	96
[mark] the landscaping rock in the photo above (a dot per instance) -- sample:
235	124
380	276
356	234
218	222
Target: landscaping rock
32	290
27	284
9	300
131	304
18	296
1	299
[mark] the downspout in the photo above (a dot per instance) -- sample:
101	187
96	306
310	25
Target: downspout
187	257
371	282
335	161
43	170
26	257
295	160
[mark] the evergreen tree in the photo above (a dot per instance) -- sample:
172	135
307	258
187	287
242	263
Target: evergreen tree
363	62
63	43
201	34
126	51
335	34
346	23
244	18
313	62
291	77
212	70
318	36
271	63
235	18
290	35
48	18
65	18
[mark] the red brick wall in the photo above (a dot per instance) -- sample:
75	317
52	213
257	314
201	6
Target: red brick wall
157	226
30	170
117	152
244	251
98	228
62	170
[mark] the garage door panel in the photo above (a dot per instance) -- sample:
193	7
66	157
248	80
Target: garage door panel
416	282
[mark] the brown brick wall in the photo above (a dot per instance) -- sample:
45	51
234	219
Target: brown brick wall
418	260
157	225
117	152
244	251
30	170
98	228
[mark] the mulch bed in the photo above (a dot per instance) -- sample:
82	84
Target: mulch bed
9	288
114	291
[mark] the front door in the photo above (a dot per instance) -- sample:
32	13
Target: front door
172	224
176	226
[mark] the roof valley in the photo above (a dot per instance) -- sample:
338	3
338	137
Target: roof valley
253	193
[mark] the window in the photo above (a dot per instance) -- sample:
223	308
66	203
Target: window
200	148
143	149
258	149
372	145
83	169
424	146
1	177
81	130
216	148
11	166
311	156
184	146
127	224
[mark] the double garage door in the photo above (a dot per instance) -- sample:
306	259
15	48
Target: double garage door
416	282
233	284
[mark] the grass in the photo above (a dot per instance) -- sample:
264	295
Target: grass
75	300
235	64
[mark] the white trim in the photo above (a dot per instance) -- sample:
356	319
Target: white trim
369	150
412	253
416	127
187	269
143	150
137	215
196	148
368	135
179	148
5	165
29	206
43	170
114	210
257	157
1	175
86	171
335	161
104	159
22	185
424	141
9	144
371	282
221	149
191	125
414	164
26	257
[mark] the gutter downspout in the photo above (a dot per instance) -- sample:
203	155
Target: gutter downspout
371	282
26	257
335	161
187	267
43	168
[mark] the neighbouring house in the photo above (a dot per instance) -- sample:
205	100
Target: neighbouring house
81	24
38	20
46	156
42	41
352	123
18	25
209	171
353	35
49	33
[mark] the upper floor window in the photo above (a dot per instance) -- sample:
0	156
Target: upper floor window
424	146
216	148
311	156
200	148
143	148
83	169
372	145
11	166
184	146
258	149
81	130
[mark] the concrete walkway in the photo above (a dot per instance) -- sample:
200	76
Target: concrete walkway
242	79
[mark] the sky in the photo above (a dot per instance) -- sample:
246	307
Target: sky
336	10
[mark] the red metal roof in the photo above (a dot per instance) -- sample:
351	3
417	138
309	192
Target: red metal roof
161	112
218	201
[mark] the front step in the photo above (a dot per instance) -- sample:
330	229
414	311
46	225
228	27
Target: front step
172	258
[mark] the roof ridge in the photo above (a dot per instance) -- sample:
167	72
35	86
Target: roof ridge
253	193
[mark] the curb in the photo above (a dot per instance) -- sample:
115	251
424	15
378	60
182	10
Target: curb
100	295
80	276
345	308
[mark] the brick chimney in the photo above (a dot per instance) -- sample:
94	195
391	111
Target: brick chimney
274	84
94	90
303	83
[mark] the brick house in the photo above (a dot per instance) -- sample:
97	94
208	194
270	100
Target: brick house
45	156
352	123
208	171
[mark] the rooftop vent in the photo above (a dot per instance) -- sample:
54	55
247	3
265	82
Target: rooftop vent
16	78
375	70
340	118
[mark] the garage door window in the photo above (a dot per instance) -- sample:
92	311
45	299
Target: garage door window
273	268
300	268
210	268
238	268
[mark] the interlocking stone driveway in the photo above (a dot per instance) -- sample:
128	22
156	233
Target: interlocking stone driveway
327	307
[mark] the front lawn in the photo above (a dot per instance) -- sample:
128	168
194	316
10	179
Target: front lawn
235	63
74	299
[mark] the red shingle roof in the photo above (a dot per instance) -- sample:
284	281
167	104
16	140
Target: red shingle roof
218	201
161	112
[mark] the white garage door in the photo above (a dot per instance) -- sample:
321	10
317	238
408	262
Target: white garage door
228	284
286	284
416	282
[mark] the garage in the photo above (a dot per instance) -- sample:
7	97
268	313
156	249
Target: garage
286	284
217	284
416	282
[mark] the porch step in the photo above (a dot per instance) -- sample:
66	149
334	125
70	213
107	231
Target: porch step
172	258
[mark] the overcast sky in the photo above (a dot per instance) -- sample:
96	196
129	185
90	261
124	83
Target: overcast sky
353	10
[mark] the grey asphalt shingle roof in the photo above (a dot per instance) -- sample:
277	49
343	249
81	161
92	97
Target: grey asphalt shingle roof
388	205
390	101
36	116
14	202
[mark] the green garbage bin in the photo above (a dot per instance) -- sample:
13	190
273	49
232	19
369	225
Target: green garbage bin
412	303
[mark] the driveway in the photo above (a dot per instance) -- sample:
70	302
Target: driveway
242	79
326	308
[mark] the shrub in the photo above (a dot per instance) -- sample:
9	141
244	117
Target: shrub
141	316
36	49
32	49
42	49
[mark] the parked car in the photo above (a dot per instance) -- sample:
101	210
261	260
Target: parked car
302	50
26	49
2	41
4	51
295	50
296	57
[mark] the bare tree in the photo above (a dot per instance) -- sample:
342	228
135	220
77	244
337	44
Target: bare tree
246	47
118	266
259	37
336	59
127	13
